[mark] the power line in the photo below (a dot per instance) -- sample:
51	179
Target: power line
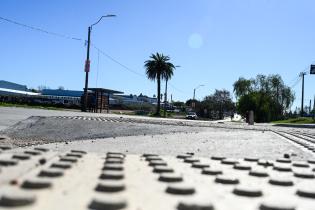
296	82
98	64
127	68
175	88
40	30
297	79
78	39
117	62
293	81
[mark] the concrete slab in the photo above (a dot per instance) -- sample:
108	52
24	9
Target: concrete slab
148	181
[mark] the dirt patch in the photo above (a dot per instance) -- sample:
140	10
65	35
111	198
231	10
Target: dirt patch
39	130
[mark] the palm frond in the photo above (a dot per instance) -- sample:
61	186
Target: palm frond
159	66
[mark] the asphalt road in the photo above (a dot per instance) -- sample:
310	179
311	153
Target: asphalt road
63	130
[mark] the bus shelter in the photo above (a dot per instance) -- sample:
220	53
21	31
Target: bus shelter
98	99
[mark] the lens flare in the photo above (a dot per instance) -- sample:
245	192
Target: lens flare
195	41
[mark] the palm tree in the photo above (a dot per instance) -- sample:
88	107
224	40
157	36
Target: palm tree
158	67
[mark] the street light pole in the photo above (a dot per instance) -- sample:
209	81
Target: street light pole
193	105
196	89
87	64
165	95
302	102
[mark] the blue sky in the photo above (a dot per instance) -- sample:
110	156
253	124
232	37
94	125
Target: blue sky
214	41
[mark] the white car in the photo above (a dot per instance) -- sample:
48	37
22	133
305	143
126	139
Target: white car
191	116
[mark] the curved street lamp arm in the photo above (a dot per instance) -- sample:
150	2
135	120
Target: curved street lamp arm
198	86
102	18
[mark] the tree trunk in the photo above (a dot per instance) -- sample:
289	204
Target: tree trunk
158	94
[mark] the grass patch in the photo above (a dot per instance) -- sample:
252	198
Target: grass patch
161	114
4	104
299	120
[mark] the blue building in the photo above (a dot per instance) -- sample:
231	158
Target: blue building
12	86
14	89
58	92
67	98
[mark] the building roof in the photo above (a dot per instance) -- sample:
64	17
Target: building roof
103	90
57	92
12	86
5	91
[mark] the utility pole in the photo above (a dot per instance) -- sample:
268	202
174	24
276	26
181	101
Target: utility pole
87	70
193	104
302	74
87	64
165	97
196	89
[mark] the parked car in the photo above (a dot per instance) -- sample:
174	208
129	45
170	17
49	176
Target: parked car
191	116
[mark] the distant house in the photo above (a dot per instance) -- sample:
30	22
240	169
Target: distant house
144	98
127	99
134	99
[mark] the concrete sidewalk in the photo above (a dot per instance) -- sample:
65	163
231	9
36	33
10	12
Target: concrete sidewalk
91	161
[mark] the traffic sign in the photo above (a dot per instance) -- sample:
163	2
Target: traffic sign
87	66
312	71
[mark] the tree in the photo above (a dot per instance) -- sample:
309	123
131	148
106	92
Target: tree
276	85
260	103
189	102
242	87
179	105
267	96
217	104
33	90
214	106
42	87
157	68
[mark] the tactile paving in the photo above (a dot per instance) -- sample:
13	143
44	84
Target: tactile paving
76	180
303	140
